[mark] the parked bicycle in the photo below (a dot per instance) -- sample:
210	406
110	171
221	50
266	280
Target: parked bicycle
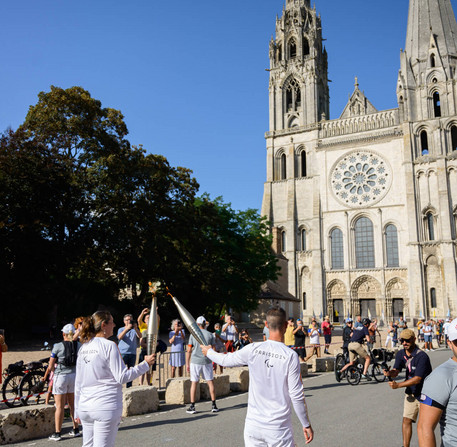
32	389
22	384
12	376
379	362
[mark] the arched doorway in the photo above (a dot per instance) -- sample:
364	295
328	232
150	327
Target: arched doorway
336	294
365	293
396	299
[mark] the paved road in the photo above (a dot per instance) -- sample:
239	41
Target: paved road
341	414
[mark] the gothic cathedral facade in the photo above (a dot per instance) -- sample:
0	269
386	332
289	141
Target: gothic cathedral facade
363	208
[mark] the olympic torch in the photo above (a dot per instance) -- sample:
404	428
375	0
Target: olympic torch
153	324
189	321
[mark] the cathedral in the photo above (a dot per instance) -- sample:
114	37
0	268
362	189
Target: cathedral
363	208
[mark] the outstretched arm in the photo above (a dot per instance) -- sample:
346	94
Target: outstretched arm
237	358
297	396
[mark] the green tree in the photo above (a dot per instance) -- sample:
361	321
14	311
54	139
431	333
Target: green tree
84	214
225	256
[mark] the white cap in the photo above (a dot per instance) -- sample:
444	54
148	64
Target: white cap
68	328
201	320
452	330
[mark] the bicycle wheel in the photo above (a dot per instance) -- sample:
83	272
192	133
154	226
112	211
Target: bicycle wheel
10	389
353	375
339	363
377	373
31	389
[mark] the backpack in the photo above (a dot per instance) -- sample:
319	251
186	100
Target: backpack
71	353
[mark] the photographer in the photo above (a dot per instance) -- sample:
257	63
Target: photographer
177	338
300	340
231	332
243	341
128	337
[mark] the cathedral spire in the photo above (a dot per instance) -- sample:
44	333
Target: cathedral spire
425	88
430	18
297	3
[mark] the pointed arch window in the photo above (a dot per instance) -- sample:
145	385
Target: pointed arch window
283	240
305	47
454	137
337	249
364	244
302	241
436	105
391	237
279	53
292	49
283	167
432	61
303	163
433	297
293	95
424	142
430	226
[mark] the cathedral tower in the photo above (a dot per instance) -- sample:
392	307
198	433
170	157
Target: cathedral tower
427	99
298	68
363	207
426	82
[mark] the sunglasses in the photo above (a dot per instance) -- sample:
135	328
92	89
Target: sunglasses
405	340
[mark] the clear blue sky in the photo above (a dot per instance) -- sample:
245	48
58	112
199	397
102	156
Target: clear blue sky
189	76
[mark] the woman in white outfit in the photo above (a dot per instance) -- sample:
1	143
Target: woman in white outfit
100	373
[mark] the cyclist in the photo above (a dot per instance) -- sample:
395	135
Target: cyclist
359	335
347	334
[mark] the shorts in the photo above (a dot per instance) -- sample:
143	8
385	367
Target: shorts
427	338
64	383
328	338
205	370
358	348
255	437
411	407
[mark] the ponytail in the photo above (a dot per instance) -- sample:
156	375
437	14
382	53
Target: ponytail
93	325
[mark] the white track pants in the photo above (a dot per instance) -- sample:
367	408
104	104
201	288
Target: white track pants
100	427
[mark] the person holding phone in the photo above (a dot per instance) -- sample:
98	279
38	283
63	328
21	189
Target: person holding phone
177	338
129	338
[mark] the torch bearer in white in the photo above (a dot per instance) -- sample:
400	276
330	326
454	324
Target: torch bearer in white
189	321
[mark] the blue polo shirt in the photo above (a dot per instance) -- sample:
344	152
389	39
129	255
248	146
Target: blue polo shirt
416	365
359	334
129	342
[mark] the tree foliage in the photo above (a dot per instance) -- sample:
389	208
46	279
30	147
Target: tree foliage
84	214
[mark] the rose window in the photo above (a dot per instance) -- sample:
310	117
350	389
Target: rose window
360	179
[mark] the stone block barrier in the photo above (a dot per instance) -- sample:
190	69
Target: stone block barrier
178	391
304	369
221	387
24	423
324	364
238	377
139	400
